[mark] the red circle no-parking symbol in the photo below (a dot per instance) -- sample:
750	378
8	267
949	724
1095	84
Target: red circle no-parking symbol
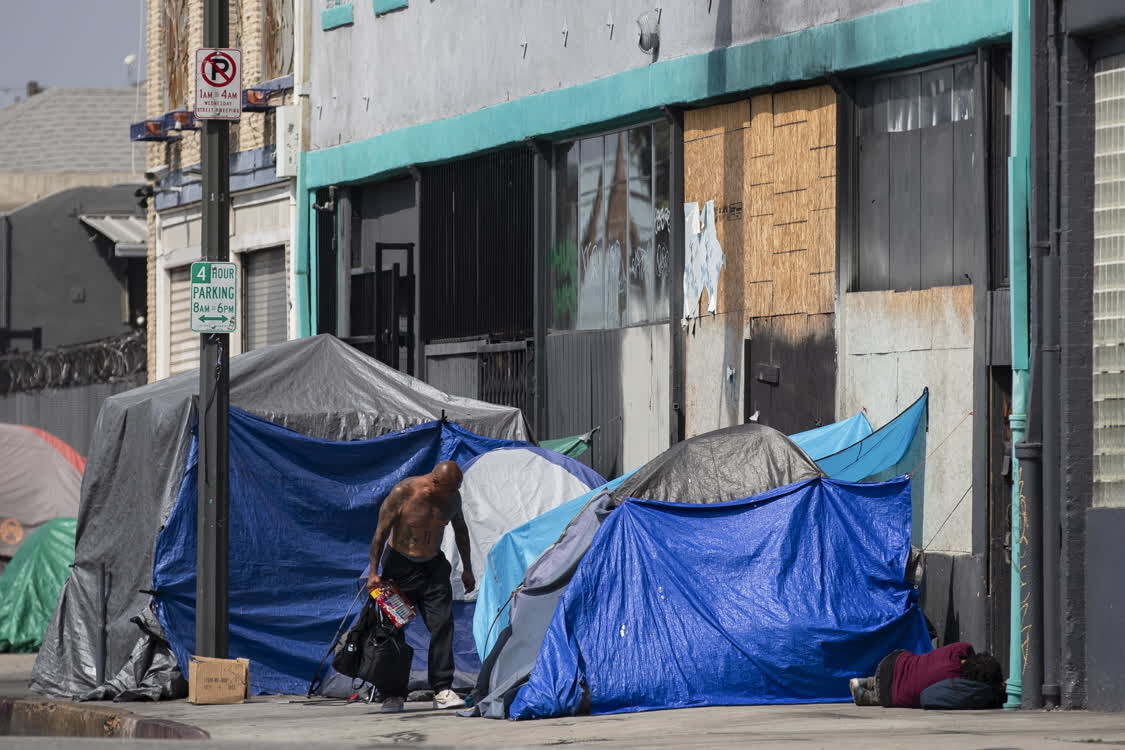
218	69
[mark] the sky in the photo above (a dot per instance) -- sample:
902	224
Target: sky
68	43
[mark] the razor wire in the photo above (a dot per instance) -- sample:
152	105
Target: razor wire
110	360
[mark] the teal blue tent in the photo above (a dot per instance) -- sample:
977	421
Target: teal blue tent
510	557
832	438
896	448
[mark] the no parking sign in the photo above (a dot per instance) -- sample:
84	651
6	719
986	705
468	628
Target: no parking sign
218	84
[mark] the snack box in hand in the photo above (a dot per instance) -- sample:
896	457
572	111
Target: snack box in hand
394	605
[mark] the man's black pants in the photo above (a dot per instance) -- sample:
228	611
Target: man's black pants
426	585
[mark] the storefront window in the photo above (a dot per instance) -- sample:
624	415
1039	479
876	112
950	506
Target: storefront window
609	262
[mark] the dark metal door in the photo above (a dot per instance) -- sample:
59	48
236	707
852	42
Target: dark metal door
394	305
790	372
1000	512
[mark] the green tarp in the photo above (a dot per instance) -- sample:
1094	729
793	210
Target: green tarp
570	446
30	586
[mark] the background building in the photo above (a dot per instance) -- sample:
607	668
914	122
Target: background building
665	221
72	257
261	192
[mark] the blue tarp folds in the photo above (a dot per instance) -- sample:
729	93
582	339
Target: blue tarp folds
509	559
884	451
775	599
832	438
303	511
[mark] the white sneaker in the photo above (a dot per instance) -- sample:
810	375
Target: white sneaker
393	704
448	699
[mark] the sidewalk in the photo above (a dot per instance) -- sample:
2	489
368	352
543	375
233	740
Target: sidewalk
292	719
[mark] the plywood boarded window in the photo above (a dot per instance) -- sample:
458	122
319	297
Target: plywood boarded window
177	53
278	39
609	261
919	178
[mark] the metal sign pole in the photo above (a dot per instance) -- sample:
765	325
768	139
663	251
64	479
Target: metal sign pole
213	532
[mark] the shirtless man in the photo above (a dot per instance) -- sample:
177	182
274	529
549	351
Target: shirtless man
413	518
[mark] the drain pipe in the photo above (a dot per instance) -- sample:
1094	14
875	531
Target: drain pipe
1018	274
1050	357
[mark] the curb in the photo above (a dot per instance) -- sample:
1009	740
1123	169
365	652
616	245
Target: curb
30	717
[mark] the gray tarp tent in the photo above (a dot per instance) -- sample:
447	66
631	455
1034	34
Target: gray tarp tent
717	466
317	386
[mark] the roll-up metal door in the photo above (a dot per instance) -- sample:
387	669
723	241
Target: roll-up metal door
264	307
183	343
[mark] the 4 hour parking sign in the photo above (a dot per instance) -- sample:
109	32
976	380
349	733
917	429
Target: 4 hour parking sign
214	297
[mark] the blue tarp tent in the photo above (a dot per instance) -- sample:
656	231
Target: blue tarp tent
885	452
832	438
655	616
514	552
509	559
303	511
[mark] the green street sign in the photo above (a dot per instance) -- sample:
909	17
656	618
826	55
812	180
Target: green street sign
214	297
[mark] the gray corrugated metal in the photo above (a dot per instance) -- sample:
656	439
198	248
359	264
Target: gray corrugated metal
183	343
457	374
585	391
1001	332
265	308
68	413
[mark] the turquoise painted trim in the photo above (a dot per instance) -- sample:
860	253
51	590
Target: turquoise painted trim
892	38
386	6
314	272
1019	181
333	18
301	259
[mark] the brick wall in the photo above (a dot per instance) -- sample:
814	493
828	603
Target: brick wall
254	131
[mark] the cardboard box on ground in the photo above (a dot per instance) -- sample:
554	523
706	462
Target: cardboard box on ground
216	681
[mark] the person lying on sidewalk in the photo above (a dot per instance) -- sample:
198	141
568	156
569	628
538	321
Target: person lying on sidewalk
951	677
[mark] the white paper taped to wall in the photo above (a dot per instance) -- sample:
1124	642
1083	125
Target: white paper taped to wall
703	259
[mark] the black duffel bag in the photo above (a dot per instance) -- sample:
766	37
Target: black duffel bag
375	651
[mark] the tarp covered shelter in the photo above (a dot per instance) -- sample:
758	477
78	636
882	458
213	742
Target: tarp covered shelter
40	480
502	489
303	511
515	551
507	487
832	438
677	604
29	588
715	467
317	387
895	448
509	559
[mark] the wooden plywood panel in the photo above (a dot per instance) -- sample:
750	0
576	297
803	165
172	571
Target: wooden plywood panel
790	236
711	121
824	117
791	206
822	240
774	153
713	171
760	135
822	193
825	161
822	292
792	287
759	298
795	106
